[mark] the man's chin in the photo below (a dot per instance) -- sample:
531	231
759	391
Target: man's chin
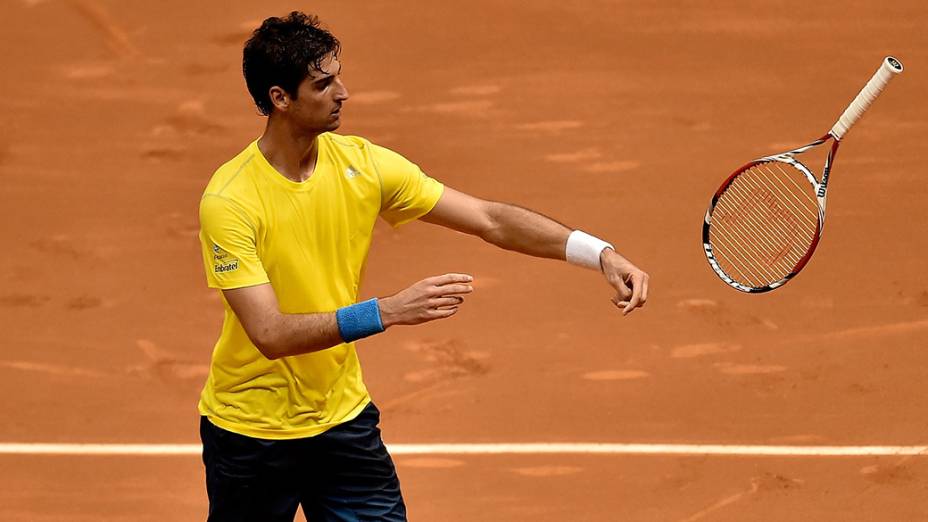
328	126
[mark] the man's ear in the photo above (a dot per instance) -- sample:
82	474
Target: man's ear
279	98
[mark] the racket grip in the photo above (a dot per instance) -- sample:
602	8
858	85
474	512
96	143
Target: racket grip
889	68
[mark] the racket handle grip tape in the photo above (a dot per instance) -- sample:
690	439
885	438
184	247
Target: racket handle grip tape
889	68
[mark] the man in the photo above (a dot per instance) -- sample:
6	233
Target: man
285	229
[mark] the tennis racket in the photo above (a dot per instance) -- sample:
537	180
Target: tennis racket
766	219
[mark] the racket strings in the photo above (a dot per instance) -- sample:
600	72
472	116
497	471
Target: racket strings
742	206
793	193
799	189
763	223
743	265
740	194
759	256
790	215
766	247
749	254
750	259
757	232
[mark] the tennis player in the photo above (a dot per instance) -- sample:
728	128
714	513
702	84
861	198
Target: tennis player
285	228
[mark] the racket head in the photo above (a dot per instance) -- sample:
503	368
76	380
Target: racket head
763	224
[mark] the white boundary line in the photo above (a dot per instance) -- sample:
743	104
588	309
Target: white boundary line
500	449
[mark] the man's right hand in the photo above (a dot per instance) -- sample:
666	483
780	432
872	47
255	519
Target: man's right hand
432	298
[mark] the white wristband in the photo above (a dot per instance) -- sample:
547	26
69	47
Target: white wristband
584	250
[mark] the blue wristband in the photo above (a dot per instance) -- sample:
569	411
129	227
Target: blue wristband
359	320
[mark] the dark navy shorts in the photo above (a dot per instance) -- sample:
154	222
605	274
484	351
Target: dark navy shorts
344	475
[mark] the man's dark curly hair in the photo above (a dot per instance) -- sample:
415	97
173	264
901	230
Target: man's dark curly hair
282	52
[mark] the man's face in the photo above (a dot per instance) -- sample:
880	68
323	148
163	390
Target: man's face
318	104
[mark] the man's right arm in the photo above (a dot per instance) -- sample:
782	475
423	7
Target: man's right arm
277	334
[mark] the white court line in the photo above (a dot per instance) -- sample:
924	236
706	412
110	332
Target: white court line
501	449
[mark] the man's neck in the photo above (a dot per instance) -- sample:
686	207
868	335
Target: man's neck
292	152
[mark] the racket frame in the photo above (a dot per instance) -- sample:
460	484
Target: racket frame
818	188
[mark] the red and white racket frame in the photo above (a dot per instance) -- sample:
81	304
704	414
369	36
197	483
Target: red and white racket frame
888	69
818	188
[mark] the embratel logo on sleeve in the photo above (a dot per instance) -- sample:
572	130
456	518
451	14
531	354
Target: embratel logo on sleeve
223	261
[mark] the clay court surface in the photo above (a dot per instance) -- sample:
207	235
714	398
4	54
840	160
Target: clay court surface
618	117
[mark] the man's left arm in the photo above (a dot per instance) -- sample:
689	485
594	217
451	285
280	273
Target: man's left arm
522	230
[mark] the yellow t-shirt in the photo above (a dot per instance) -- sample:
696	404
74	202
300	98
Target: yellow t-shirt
309	241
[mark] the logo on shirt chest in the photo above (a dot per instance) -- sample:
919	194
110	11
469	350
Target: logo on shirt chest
352	172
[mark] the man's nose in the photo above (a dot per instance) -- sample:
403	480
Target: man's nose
342	93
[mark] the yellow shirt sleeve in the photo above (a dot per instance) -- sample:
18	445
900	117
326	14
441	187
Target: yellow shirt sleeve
407	193
228	241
